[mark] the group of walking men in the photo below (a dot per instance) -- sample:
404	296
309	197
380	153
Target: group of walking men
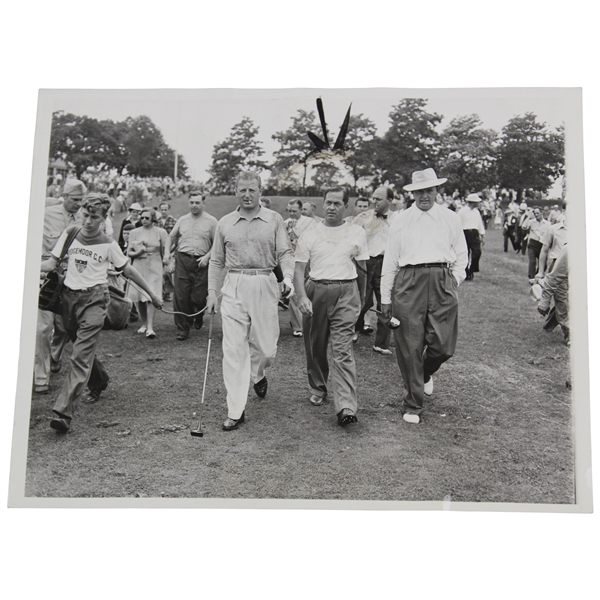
413	261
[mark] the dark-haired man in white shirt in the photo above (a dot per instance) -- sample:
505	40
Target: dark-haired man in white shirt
331	301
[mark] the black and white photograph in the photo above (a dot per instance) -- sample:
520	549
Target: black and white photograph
143	479
313	297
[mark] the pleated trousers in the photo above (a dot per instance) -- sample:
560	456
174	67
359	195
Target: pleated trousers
425	300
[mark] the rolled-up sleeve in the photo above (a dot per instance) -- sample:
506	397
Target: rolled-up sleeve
285	257
217	259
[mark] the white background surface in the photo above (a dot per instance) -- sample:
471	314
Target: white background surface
284	554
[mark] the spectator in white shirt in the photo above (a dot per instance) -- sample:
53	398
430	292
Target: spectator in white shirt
376	223
425	260
295	226
537	227
474	230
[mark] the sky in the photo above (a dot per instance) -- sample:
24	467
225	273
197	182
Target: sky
193	121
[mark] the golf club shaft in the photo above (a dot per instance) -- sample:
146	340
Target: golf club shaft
212	315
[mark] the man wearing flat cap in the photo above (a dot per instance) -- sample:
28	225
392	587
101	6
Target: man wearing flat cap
51	336
425	260
472	225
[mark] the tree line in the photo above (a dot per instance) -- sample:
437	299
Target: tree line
526	155
134	145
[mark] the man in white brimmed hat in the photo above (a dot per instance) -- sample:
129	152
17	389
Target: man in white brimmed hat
424	263
472	225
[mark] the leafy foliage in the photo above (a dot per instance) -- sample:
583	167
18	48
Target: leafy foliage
360	146
529	156
466	155
294	146
240	151
409	144
135	144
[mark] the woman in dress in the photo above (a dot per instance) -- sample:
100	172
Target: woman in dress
149	251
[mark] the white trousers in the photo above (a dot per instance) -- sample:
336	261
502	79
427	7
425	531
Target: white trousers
250	333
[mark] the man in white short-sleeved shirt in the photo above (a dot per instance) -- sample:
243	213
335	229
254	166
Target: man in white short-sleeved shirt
331	301
85	299
425	260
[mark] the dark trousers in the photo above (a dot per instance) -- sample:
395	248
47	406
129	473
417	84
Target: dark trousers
335	308
191	290
534	247
509	234
83	318
474	246
384	333
425	300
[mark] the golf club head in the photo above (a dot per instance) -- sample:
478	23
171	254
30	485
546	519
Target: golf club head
196	433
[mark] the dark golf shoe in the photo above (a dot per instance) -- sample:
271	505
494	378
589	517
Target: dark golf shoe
346	416
60	425
261	387
231	424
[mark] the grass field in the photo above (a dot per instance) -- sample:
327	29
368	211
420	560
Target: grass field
497	429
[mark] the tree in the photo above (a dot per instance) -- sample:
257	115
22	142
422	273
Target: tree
135	144
325	175
361	150
466	155
410	142
529	156
84	142
148	155
294	147
240	151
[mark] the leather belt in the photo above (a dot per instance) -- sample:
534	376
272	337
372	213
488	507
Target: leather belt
252	271
332	281
85	290
427	266
190	255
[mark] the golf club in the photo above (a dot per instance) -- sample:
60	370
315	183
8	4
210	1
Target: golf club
198	431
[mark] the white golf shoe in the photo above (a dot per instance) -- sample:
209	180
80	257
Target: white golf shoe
428	387
411	418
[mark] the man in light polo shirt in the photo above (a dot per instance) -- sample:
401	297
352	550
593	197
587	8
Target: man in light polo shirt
424	263
250	242
376	223
537	227
51	336
552	243
474	230
192	237
331	301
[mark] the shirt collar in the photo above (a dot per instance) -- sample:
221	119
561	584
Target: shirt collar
433	212
262	214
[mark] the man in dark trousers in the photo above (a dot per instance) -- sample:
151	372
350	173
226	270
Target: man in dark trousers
331	301
192	237
472	225
424	263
